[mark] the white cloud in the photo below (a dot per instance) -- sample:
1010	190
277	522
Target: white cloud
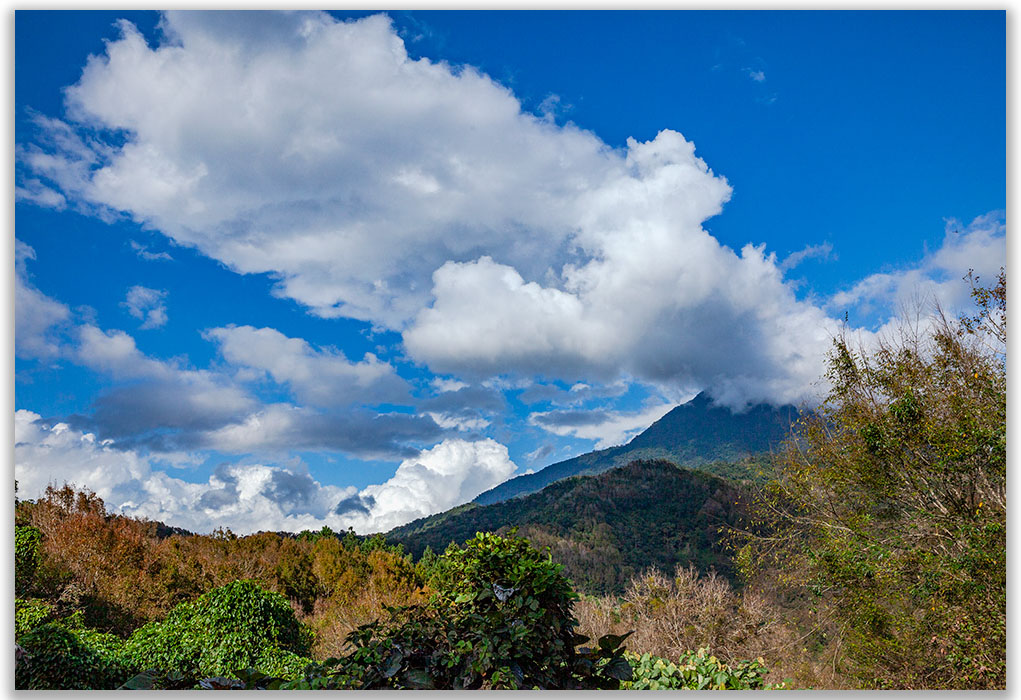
462	423
319	151
33	190
251	497
35	314
451	473
128	483
144	252
822	250
444	384
656	298
608	428
981	246
318	377
146	304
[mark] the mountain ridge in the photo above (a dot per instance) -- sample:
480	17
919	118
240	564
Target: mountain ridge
604	528
693	434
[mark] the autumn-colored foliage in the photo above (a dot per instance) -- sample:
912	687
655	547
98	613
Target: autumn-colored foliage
119	573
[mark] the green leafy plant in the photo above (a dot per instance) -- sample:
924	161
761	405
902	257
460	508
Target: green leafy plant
26	556
58	658
696	670
29	614
233	627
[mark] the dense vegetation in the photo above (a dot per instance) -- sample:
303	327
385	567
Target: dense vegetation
116	574
888	513
694	434
608	528
499	614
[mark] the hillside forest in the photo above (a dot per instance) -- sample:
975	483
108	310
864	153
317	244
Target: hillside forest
867	551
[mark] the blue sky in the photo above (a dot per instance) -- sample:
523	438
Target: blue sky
276	271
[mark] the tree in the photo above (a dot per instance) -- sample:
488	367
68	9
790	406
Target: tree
889	505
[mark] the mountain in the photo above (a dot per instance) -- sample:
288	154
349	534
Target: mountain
606	528
694	434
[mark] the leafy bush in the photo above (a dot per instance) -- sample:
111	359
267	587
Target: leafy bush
229	628
26	556
695	670
63	659
29	614
500	618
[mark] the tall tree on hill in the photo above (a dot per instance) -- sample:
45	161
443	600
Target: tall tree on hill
889	507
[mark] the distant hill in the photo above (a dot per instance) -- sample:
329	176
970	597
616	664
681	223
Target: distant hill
605	528
694	434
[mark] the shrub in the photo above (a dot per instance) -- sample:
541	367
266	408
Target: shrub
29	614
500	618
695	670
672	615
230	628
63	659
26	556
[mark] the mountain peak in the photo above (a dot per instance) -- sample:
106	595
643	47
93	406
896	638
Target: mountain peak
691	434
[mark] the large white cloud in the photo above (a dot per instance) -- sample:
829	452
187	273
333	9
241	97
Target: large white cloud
319	151
250	497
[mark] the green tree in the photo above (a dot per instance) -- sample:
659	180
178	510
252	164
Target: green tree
889	505
228	629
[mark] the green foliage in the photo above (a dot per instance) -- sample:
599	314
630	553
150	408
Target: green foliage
501	618
605	529
26	556
890	508
29	614
63	659
696	670
236	626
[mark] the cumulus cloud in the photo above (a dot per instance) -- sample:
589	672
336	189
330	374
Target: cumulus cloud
609	428
464	408
251	497
156	401
321	377
320	152
451	473
146	304
35	314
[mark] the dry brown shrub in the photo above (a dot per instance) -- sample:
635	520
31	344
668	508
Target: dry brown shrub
672	615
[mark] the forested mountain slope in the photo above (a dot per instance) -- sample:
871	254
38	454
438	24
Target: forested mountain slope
604	528
694	434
